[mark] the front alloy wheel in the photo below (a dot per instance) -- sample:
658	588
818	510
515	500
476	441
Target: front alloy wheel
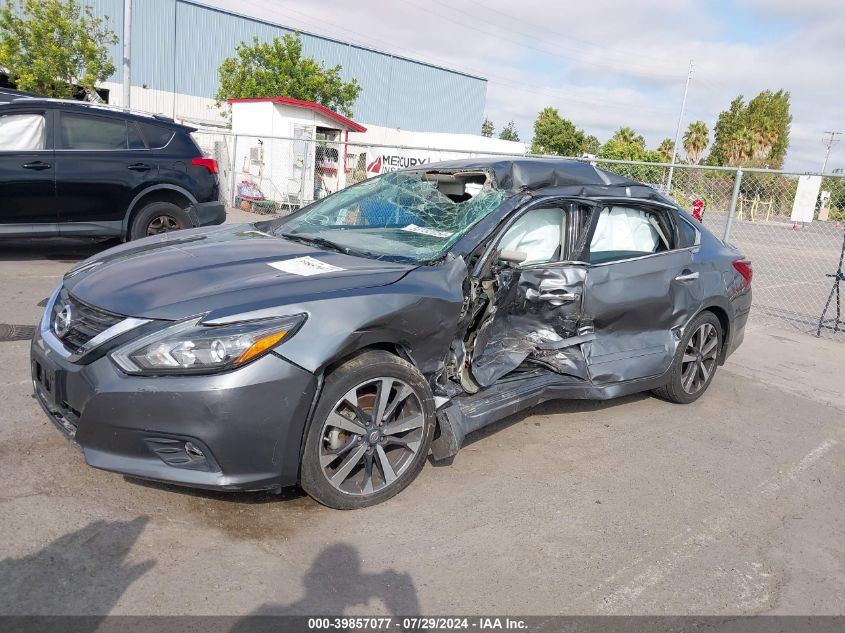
371	436
370	433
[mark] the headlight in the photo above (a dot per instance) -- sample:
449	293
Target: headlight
191	347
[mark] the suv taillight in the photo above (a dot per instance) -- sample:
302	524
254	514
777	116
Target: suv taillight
209	163
743	267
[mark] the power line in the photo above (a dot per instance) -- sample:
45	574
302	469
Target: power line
344	32
627	54
604	66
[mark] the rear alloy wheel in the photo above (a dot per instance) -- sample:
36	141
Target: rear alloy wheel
371	432
157	218
695	362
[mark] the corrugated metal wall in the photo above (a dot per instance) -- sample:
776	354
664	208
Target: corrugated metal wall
177	46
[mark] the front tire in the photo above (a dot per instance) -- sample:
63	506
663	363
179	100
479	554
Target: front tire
156	218
370	434
695	361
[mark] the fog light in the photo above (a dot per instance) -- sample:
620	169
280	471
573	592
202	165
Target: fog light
193	451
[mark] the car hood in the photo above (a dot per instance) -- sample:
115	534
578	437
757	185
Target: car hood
220	271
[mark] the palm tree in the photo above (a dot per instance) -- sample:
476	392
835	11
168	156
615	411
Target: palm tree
628	136
765	136
666	149
696	141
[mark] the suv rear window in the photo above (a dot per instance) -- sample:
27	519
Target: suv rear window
157	136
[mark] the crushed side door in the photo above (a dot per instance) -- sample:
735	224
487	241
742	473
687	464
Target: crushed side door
528	317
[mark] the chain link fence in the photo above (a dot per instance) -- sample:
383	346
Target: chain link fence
795	247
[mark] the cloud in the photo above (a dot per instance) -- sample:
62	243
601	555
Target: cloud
608	64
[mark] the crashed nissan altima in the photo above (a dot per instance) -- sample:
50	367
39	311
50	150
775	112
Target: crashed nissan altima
339	346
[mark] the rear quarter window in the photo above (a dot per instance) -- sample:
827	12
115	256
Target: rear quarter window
156	136
687	234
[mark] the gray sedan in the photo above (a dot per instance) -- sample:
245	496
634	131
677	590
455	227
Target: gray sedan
338	347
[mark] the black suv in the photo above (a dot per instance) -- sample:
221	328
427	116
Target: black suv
75	169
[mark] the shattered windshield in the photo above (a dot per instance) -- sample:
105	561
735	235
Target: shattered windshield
399	216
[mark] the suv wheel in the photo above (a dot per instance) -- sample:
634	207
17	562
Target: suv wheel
695	361
158	217
370	434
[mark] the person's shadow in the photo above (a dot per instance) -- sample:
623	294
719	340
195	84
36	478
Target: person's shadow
80	573
332	585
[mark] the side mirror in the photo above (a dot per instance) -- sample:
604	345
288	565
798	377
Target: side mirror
512	257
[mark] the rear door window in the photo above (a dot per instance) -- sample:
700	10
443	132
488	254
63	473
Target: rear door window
22	132
624	232
133	136
84	131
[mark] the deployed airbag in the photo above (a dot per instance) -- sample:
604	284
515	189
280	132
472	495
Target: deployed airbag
624	229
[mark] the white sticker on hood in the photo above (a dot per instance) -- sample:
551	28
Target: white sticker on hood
305	266
413	228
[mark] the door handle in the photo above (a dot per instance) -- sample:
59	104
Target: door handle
139	167
37	166
563	297
687	276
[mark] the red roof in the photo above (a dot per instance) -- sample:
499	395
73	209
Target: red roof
298	103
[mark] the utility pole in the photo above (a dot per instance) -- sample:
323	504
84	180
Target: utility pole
127	51
678	131
830	141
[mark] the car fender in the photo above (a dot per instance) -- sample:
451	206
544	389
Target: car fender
143	192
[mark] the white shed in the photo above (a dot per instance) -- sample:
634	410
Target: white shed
294	151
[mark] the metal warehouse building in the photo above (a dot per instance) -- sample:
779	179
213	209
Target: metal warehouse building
177	47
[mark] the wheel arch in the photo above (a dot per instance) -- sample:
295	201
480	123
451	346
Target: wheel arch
175	194
721	313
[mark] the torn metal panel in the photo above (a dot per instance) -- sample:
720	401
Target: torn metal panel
533	312
554	177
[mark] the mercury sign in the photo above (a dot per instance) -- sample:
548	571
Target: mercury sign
384	160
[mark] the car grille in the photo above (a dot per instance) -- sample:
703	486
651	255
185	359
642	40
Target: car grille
86	322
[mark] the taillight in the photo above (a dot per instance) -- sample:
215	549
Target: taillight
209	163
743	267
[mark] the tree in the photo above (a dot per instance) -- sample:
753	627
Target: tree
487	128
556	135
509	132
592	145
55	47
625	144
696	139
754	134
666	149
277	69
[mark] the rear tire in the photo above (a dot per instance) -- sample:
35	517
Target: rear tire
370	434
156	218
695	362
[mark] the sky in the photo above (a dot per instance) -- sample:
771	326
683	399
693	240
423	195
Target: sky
606	64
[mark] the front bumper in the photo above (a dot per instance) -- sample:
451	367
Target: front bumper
247	423
208	213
